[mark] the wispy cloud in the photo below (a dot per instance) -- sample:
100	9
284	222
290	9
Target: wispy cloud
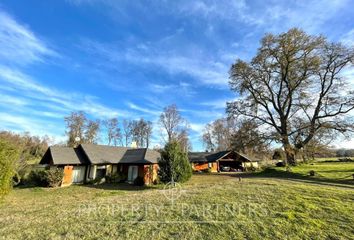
18	44
145	110
192	62
348	38
33	93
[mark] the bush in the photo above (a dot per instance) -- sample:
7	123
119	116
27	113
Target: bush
116	178
9	155
312	173
46	178
174	161
37	178
139	181
54	177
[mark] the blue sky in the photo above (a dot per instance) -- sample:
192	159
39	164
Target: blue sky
129	59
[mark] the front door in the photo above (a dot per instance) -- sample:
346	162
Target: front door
132	173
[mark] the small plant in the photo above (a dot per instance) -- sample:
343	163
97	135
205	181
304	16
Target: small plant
95	181
312	173
139	181
208	170
156	181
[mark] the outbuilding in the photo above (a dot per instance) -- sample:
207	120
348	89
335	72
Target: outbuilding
221	161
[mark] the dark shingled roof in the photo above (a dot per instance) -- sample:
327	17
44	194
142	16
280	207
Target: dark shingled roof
99	154
135	156
212	156
63	155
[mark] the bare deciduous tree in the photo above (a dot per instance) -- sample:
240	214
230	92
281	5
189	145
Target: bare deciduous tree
217	135
294	85
92	131
114	134
175	126
127	131
75	125
141	132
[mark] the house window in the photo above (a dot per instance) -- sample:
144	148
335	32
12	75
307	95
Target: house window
101	172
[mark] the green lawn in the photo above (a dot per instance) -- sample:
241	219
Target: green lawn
269	205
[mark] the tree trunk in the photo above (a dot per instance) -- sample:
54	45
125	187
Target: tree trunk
290	155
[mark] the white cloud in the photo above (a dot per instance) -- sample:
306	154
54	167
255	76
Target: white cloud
218	103
19	123
193	62
197	127
277	15
143	109
34	94
18	45
348	38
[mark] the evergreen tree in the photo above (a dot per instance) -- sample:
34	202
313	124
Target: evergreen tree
174	163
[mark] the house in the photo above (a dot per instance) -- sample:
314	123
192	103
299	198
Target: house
219	161
90	161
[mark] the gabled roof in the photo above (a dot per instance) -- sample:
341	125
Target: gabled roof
99	154
214	156
63	155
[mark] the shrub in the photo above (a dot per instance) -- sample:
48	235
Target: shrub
312	173
46	178
139	181
116	178
37	178
9	155
174	162
54	177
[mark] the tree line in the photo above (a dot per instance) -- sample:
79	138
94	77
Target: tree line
80	129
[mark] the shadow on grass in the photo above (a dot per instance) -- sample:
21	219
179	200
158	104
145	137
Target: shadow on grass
281	174
118	186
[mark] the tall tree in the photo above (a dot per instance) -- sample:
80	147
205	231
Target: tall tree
248	139
75	125
91	131
114	134
127	131
174	125
141	132
183	140
217	135
295	86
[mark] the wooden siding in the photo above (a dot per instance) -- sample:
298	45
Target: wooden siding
205	166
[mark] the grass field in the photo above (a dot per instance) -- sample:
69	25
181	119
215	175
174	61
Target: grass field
269	205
